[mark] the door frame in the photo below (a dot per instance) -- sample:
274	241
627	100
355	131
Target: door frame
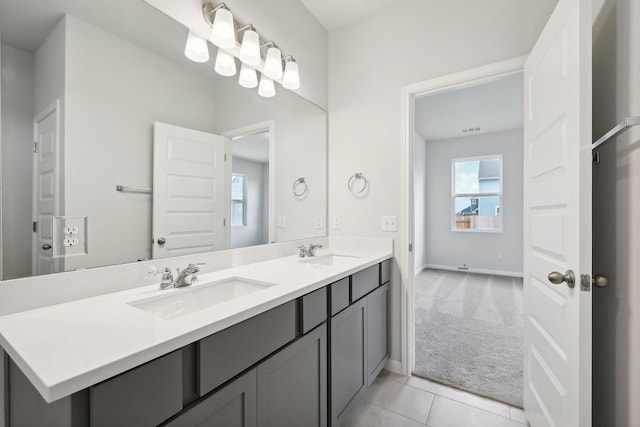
409	93
269	126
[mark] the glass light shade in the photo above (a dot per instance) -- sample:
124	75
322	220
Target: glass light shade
273	63
250	49
196	48
225	63
223	33
248	77
291	79
266	88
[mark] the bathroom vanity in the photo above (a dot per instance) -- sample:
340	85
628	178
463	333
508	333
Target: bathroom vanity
289	341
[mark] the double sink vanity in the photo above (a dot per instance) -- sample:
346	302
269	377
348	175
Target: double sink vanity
289	341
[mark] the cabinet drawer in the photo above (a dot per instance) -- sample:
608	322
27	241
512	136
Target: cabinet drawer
144	396
364	282
314	309
229	352
339	292
385	271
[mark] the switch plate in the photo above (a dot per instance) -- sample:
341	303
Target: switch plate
337	222
320	222
281	221
389	223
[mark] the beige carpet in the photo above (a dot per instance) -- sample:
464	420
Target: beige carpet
469	332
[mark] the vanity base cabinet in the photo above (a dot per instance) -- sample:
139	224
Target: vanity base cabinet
234	405
292	384
377	331
347	359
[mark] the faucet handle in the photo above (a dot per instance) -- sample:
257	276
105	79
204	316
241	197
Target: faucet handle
312	249
303	251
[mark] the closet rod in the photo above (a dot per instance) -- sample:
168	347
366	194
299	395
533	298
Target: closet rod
617	130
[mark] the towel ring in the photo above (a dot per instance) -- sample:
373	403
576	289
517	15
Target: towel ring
355	177
300	181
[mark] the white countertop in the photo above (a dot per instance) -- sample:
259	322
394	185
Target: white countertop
67	347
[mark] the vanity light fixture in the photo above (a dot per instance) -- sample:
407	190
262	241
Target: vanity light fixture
223	32
248	77
196	48
291	78
266	89
250	48
273	61
225	63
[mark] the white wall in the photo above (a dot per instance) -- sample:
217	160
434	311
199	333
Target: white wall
253	232
369	62
115	91
17	148
616	210
498	252
287	22
419	201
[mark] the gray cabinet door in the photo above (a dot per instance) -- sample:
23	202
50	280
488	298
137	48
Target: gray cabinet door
377	331
347	359
292	384
234	405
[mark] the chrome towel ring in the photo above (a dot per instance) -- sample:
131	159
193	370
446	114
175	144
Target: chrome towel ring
300	187
358	176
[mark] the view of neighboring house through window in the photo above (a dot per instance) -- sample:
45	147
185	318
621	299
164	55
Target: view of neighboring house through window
238	200
477	194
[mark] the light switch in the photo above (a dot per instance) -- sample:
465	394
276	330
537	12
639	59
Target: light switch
389	223
320	222
281	221
337	222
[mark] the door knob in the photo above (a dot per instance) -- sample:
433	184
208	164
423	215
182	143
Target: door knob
569	278
46	247
600	281
162	241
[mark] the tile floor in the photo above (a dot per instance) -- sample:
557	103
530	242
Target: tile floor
397	401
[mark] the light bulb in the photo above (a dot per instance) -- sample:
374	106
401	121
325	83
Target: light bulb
223	33
250	49
273	63
291	79
196	48
225	63
266	88
248	77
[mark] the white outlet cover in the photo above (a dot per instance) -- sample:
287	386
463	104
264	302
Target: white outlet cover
337	222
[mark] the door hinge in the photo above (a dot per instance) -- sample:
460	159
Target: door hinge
225	157
585	282
35	146
35	226
224	222
410	247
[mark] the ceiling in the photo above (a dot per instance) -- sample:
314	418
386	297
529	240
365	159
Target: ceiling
334	14
254	147
493	107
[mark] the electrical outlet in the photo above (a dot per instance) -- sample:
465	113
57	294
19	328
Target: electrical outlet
71	230
337	222
71	242
281	221
389	223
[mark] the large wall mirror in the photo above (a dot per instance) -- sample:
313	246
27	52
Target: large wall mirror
114	145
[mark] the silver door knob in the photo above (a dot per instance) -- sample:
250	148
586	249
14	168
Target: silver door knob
162	241
569	278
600	281
46	247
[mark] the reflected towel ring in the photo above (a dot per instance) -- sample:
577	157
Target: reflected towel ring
355	177
297	183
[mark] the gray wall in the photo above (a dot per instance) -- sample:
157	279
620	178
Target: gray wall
419	201
616	210
257	204
499	252
17	137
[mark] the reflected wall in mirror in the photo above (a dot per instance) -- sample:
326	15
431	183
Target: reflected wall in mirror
87	82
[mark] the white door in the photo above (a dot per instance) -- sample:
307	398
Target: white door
191	184
557	235
46	189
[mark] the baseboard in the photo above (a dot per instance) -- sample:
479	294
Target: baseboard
394	366
474	270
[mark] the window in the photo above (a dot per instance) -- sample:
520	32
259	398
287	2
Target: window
476	197
238	200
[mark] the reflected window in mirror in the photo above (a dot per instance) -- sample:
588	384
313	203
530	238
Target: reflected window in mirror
238	200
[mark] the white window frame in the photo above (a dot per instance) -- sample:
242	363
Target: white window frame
243	200
478	195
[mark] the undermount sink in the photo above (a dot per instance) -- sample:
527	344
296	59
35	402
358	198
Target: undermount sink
328	259
188	300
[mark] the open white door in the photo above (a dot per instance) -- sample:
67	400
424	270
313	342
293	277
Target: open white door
191	184
557	235
46	189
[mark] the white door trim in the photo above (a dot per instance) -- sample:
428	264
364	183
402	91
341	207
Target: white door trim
409	93
270	126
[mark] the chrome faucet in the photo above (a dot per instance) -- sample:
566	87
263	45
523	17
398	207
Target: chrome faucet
187	275
303	251
167	279
312	249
